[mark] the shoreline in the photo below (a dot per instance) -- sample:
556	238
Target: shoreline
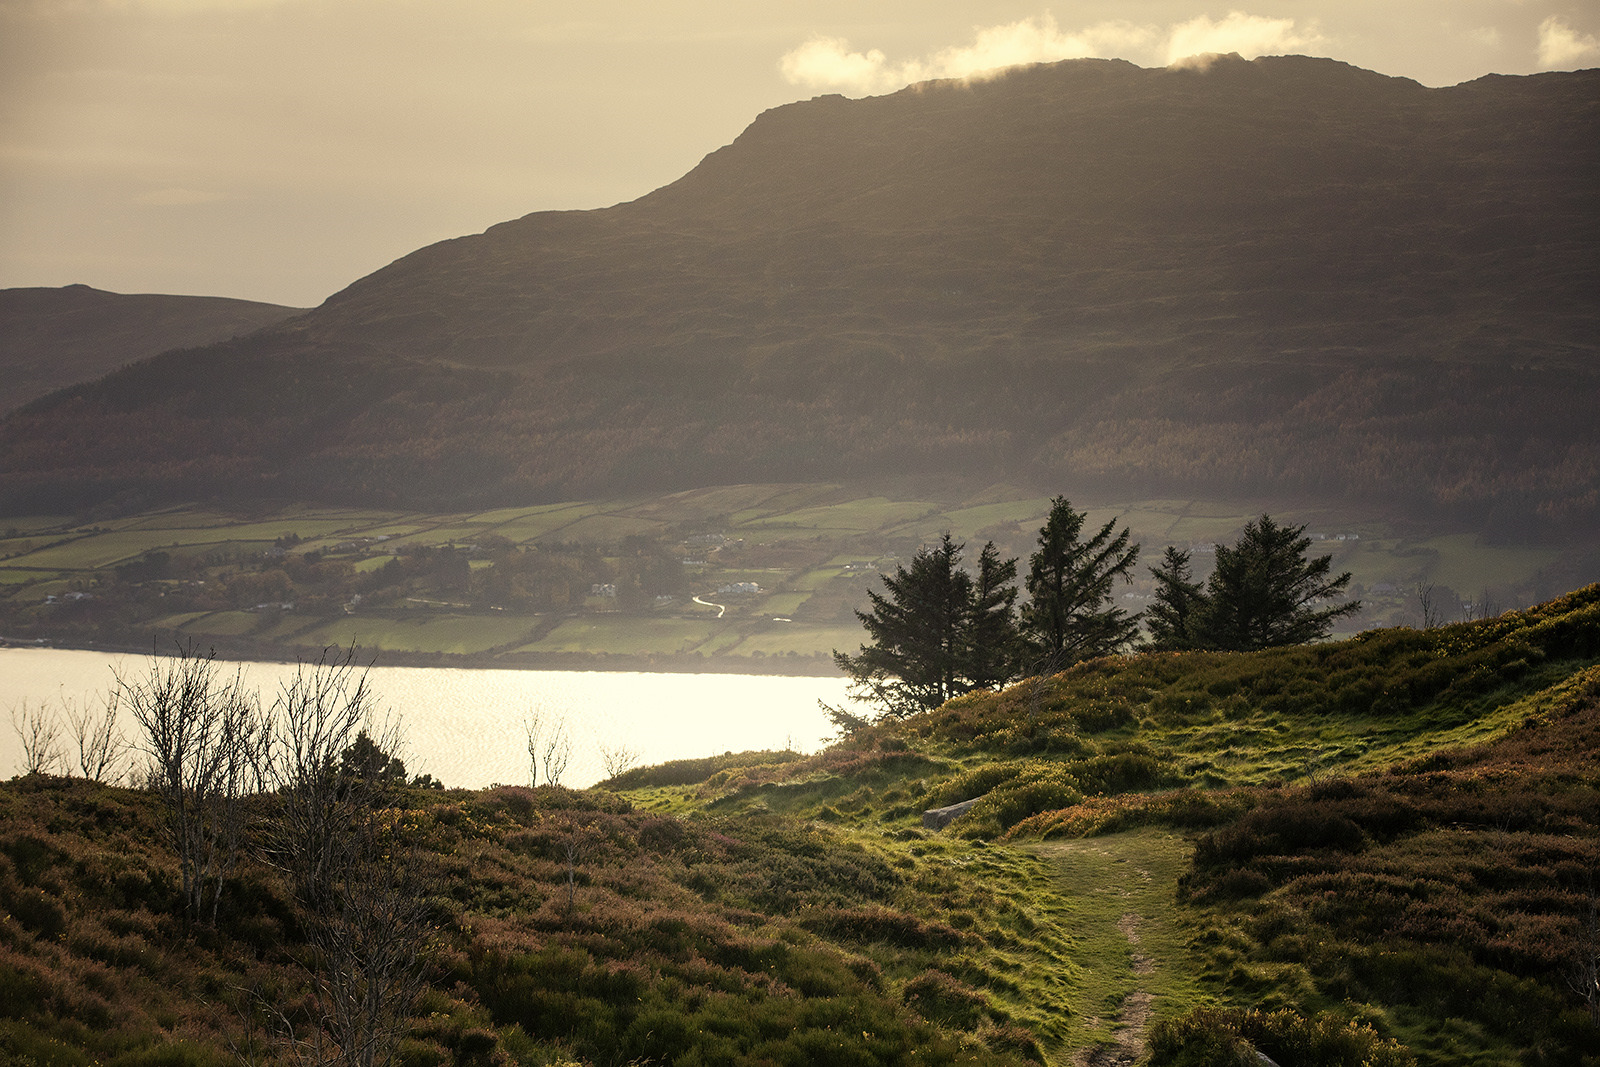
645	663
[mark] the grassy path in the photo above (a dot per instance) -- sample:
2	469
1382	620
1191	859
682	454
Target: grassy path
1126	940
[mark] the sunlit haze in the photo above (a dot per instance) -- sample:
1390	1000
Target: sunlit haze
279	149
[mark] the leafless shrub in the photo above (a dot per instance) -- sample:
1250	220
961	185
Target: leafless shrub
336	835
532	723
618	760
39	730
317	717
204	737
1431	615
1481	607
99	742
556	752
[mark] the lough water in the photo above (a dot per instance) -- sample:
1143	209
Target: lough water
465	727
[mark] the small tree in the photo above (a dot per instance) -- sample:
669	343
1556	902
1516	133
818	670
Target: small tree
205	737
1070	616
556	753
39	730
1264	592
1171	619
100	744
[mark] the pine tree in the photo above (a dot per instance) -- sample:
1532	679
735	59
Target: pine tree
936	632
918	631
1179	600
993	644
1070	617
1263	592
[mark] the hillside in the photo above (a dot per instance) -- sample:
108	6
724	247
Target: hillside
50	338
1284	277
1378	851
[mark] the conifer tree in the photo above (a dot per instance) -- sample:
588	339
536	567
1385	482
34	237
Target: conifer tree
993	643
918	630
1070	617
1172	619
936	632
1264	591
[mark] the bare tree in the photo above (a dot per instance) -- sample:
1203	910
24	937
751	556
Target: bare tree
203	735
317	717
1482	607
531	724
557	753
1431	615
99	742
39	730
618	760
338	837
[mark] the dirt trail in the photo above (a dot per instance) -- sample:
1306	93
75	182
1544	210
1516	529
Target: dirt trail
1122	886
1133	1015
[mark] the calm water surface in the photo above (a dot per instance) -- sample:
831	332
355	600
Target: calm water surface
465	727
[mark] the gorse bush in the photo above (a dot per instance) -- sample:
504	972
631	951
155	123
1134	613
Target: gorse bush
1214	1038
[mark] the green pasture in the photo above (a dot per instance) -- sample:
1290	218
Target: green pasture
784	603
26	525
813	580
1467	565
853	517
223	623
96	551
607	527
422	632
625	635
1029	514
778	638
23	576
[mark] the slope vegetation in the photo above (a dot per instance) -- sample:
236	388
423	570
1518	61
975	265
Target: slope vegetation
1374	851
1282	276
50	338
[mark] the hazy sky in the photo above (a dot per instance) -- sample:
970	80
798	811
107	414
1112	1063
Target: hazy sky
279	149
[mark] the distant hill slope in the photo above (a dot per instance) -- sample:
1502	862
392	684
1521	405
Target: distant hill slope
50	338
1279	276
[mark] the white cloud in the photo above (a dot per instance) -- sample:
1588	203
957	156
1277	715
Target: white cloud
831	62
1248	35
1562	46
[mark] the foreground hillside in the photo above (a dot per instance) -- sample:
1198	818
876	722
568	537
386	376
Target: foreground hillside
50	338
1374	851
1282	276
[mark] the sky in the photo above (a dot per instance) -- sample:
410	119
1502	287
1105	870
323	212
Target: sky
278	150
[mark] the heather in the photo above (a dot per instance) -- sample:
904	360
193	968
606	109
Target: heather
1379	850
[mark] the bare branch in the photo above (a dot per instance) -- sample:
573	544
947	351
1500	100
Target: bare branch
618	760
557	753
39	730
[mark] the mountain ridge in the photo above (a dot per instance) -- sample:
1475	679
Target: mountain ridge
1276	276
55	337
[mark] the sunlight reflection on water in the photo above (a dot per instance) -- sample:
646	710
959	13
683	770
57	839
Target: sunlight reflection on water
464	727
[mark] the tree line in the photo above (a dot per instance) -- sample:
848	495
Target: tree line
939	629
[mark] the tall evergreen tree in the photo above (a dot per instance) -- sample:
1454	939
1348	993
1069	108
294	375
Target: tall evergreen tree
993	645
936	632
1179	600
1264	591
1070	617
918	631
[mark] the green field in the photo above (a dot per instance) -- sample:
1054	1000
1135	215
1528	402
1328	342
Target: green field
626	636
795	541
428	632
